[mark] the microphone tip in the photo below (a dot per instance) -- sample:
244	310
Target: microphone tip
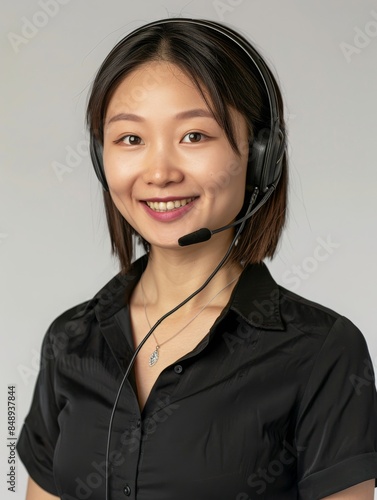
198	236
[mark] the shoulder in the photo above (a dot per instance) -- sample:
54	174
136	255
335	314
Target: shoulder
265	304
79	325
75	325
303	312
329	353
320	325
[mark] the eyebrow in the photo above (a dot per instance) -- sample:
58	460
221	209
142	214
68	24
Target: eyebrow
190	113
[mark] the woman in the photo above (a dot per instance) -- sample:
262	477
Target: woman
192	374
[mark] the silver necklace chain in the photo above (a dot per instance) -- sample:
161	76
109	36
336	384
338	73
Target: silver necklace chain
154	357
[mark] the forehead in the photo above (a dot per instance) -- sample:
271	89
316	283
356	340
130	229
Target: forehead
155	78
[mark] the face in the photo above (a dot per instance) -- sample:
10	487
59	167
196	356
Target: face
168	164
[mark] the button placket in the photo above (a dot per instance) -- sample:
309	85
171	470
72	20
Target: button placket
125	444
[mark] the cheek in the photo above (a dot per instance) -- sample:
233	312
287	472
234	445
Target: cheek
228	180
120	183
116	172
122	204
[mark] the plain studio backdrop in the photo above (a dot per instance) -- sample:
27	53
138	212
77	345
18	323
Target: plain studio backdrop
54	246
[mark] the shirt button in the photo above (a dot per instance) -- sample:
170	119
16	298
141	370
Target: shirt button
127	490
178	369
138	423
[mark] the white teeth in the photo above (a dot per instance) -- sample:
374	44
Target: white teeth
161	206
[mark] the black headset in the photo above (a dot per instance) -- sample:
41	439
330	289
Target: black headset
267	148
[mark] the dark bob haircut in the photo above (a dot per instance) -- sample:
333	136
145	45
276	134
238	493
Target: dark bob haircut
220	69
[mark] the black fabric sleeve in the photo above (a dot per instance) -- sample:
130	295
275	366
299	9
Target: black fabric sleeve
336	432
40	431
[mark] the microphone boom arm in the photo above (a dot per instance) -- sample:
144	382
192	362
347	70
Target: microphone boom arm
205	234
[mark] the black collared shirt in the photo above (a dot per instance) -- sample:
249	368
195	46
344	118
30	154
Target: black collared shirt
278	401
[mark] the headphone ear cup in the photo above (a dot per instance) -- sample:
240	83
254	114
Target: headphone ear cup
265	164
255	164
96	154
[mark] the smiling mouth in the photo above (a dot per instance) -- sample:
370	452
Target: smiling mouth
168	206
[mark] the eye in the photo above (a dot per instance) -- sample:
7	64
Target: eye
130	140
193	137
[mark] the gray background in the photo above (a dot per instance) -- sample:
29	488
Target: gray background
54	247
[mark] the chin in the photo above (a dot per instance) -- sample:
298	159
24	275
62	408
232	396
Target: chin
167	245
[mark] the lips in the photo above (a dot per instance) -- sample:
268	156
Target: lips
168	206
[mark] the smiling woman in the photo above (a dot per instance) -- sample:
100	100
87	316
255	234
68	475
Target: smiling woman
192	373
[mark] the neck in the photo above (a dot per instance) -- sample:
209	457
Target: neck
173	275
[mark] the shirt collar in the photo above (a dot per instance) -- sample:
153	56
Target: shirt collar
255	297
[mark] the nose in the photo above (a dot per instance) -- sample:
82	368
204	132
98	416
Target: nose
162	166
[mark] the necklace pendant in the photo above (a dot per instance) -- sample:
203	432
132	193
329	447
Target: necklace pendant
153	358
